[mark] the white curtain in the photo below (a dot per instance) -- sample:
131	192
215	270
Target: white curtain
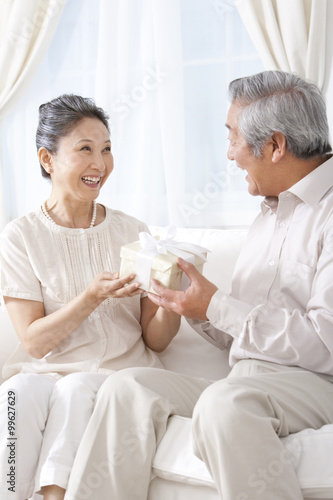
139	80
26	28
161	68
289	34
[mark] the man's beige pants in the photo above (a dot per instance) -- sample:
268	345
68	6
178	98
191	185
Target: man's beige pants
237	423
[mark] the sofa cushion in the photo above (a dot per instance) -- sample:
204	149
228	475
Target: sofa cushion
162	489
311	451
191	355
174	459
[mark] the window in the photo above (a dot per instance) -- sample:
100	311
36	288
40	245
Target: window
215	49
68	67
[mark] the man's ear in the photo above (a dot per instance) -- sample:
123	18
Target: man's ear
279	146
45	159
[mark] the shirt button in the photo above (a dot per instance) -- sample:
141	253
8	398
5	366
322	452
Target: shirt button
271	263
283	223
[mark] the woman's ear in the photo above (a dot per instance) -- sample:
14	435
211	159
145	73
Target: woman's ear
279	144
45	159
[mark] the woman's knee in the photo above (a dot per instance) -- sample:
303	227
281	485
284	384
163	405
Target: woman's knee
29	395
31	389
79	383
147	390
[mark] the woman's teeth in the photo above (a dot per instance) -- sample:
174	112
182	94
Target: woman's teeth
91	180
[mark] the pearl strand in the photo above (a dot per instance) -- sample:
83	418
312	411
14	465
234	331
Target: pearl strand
94	214
48	216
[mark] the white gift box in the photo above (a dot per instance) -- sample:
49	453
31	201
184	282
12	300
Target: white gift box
153	258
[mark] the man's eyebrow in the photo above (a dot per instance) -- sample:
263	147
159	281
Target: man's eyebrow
228	126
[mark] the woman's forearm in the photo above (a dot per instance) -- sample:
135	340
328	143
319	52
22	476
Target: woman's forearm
160	329
40	333
46	333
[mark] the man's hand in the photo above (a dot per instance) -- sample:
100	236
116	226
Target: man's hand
192	303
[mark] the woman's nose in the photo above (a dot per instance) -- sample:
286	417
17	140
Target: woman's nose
99	163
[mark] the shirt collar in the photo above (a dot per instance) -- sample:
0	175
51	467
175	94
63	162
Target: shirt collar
269	203
310	189
315	185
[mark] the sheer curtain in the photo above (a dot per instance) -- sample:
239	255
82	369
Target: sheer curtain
289	35
161	69
68	67
26	29
139	79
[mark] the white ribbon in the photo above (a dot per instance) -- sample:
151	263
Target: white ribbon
166	244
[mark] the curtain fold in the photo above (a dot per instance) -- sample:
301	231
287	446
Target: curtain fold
26	29
140	82
289	35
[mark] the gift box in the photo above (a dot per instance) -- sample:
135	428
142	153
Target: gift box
156	258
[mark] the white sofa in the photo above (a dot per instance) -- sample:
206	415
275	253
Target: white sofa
177	474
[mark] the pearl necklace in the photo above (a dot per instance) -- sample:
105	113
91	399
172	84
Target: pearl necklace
45	211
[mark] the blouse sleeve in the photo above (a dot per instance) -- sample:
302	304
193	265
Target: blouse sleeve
17	276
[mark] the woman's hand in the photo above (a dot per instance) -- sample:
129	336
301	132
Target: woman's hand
109	285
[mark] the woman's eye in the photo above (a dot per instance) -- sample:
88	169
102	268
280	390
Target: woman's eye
107	149
86	148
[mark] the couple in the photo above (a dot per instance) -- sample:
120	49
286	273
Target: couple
278	133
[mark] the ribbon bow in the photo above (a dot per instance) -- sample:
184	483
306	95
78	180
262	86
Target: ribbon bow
166	244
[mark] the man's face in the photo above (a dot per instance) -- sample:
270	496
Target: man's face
260	171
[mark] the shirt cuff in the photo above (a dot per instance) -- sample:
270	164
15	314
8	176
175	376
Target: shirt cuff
228	314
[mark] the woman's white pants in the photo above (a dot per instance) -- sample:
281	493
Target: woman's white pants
49	418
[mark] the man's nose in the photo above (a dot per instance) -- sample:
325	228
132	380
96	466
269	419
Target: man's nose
230	155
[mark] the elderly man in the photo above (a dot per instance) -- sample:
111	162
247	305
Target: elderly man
277	322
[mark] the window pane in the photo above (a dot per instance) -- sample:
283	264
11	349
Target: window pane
216	49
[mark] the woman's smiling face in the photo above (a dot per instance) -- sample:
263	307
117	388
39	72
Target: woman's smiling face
83	161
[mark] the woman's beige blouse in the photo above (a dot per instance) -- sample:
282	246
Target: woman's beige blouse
52	264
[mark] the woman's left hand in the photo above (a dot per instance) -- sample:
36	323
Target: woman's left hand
109	285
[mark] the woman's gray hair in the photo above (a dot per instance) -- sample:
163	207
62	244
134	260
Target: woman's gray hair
60	116
275	101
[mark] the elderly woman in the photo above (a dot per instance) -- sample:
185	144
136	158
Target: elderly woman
76	320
